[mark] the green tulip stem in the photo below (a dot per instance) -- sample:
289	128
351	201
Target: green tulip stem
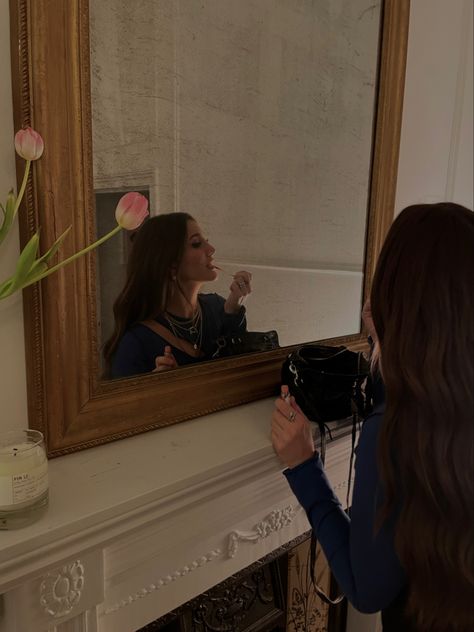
75	256
22	188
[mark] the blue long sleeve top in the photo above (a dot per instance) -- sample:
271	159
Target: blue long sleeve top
364	562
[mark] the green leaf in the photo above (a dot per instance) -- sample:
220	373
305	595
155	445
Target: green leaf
55	247
8	215
25	262
40	266
5	288
29	269
37	269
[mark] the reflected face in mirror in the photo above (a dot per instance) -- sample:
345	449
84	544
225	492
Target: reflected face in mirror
196	265
162	320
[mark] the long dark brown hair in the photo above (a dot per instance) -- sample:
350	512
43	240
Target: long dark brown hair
157	248
423	309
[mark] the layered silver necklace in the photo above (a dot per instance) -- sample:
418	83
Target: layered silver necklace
189	330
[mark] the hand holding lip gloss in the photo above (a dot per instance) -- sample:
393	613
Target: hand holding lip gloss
240	288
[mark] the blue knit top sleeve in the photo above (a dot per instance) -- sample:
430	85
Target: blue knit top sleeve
363	560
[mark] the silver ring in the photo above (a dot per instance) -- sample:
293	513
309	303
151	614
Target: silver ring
292	416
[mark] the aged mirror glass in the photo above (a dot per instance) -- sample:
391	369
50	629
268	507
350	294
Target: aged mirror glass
255	117
276	124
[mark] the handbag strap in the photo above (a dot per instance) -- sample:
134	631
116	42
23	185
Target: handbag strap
174	341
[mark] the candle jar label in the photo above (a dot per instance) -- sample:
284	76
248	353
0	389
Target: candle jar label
23	486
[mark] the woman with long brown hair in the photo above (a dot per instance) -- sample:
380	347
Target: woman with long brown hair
162	320
408	547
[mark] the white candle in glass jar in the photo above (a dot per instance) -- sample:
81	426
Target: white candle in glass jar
23	469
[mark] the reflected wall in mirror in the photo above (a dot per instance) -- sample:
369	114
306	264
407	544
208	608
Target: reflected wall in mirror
238	136
256	118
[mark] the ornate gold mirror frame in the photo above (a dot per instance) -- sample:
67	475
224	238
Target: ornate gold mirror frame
66	398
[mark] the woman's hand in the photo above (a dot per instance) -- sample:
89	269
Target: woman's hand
165	362
239	288
291	432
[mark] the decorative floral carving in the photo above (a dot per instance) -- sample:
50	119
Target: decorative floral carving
275	521
61	590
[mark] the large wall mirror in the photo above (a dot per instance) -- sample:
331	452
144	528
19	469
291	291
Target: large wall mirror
274	123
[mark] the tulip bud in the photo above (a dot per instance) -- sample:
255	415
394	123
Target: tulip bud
131	211
29	144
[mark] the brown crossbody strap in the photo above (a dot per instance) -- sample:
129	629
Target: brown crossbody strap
173	340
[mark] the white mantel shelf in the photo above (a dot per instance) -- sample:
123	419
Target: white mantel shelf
137	527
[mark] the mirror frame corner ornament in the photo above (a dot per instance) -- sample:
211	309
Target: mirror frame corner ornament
66	398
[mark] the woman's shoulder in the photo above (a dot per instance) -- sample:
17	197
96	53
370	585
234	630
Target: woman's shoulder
135	352
137	339
138	332
212	301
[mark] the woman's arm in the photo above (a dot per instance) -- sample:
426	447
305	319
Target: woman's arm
364	563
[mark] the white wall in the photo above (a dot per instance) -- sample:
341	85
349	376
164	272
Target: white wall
437	134
12	355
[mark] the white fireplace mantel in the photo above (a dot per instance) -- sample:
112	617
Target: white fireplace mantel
137	527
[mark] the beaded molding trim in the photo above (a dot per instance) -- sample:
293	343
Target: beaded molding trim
164	581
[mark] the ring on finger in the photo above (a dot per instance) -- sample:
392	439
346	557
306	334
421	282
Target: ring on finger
292	416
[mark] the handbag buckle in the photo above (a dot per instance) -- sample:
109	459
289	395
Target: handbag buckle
294	370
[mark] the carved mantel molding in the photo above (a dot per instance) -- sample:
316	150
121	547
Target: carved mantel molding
122	545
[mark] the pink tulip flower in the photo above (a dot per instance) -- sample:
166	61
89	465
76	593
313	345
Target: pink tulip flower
131	211
29	144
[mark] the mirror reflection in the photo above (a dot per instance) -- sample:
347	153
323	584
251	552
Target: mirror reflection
256	118
162	319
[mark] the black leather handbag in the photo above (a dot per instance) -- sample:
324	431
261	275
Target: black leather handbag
329	384
246	342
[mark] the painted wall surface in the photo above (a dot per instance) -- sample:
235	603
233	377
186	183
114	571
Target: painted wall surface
436	147
13	413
